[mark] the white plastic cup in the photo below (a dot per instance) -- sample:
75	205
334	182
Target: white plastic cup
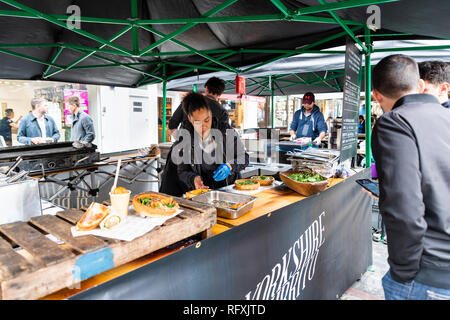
120	202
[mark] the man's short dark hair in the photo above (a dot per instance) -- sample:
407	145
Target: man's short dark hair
8	112
215	86
193	102
435	72
73	100
395	74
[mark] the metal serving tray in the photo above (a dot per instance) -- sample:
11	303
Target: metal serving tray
210	196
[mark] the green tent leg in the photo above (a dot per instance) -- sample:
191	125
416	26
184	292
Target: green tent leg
164	111
271	103
368	84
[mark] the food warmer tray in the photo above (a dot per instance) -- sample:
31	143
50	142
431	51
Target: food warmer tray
210	196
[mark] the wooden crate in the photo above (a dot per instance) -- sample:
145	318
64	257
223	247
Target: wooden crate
39	266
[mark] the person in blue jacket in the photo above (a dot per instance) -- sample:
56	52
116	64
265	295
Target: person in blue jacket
38	127
308	121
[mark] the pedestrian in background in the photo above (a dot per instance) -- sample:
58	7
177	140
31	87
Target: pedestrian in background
38	127
436	75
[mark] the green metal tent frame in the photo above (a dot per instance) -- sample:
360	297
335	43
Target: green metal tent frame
214	59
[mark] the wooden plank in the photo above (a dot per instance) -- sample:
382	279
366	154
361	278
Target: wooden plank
208	233
35	242
55	277
188	213
194	205
12	263
171	221
71	215
41	282
61	229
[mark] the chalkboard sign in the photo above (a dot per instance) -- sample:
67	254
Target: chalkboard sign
352	89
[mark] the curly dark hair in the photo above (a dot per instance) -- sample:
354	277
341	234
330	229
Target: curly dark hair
215	86
193	102
435	72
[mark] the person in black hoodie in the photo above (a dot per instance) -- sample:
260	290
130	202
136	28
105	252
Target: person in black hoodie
214	88
207	154
411	148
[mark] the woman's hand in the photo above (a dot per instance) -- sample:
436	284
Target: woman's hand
198	183
222	172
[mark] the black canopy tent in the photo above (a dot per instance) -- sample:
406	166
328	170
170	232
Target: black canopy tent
138	42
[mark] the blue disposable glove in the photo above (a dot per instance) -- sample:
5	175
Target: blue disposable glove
222	172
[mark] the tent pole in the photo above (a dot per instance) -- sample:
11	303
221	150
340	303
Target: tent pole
164	110
272	111
368	85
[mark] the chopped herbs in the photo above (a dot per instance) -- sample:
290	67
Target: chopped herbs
246	182
306	177
146	201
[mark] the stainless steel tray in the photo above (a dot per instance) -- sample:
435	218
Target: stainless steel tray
210	196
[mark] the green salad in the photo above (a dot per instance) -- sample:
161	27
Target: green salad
146	201
261	177
246	182
306	177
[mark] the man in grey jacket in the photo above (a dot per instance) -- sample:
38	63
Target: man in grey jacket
411	148
82	132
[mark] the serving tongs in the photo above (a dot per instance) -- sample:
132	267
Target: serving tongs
14	166
22	174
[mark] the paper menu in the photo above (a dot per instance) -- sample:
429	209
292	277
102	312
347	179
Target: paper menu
132	227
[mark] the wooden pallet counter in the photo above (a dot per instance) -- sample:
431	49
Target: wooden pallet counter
33	266
286	247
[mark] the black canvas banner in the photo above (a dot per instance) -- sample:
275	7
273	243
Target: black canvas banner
350	107
315	248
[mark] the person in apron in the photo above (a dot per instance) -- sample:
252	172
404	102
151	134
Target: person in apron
308	121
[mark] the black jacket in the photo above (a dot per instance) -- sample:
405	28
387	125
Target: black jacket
447	104
178	179
217	110
411	148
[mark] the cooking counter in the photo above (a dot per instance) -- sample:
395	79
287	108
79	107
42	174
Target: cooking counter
239	254
268	201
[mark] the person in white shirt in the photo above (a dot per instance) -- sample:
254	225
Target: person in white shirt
37	127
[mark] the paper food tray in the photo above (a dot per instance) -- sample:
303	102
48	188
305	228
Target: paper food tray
134	225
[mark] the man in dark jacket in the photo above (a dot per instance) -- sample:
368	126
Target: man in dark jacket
214	88
411	148
6	124
308	121
207	154
436	75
